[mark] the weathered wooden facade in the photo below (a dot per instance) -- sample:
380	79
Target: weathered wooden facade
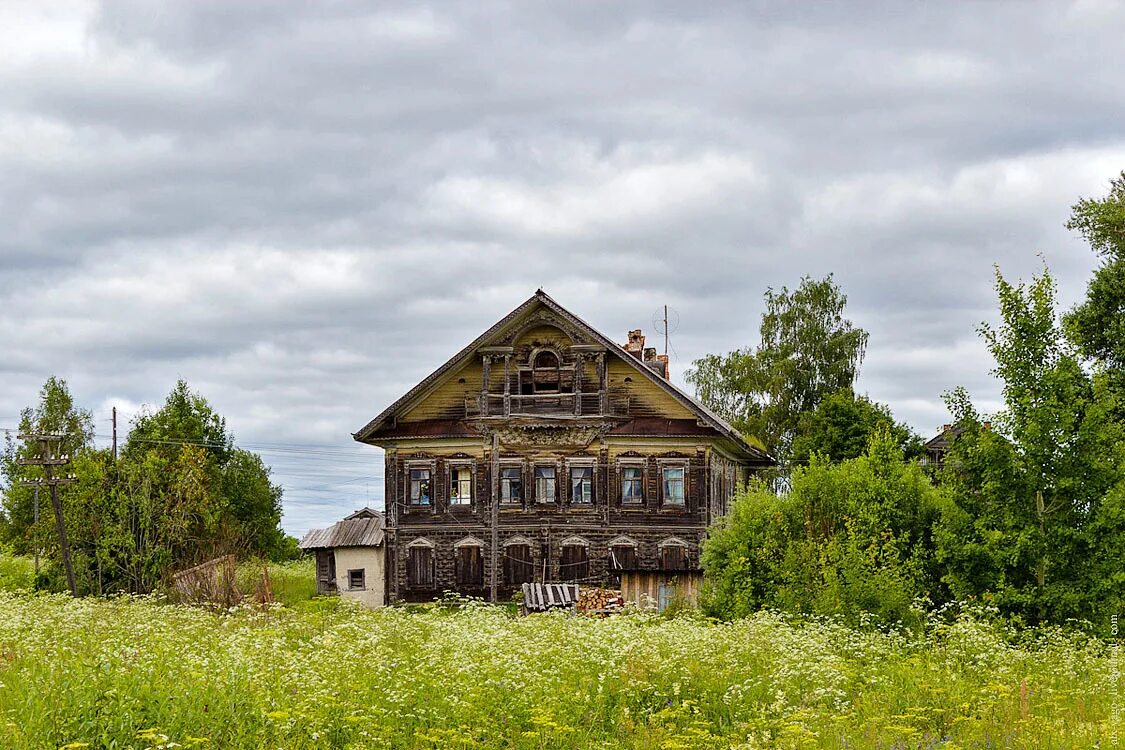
543	451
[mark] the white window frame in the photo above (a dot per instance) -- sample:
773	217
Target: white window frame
629	465
582	464
523	485
412	466
673	466
456	467
554	498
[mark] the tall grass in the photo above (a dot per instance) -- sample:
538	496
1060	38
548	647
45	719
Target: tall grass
290	582
16	573
135	673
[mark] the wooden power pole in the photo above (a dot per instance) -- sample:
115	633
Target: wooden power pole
50	456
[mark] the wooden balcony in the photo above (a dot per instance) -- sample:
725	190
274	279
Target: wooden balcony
546	405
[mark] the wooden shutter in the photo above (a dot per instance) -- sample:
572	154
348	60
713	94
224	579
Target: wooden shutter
575	563
420	567
518	567
673	557
470	566
624	557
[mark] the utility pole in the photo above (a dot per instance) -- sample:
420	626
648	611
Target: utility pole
35	522
115	434
50	457
495	513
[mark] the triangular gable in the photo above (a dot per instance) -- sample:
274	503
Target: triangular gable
542	299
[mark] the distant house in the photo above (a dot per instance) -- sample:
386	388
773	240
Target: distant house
938	446
350	557
546	452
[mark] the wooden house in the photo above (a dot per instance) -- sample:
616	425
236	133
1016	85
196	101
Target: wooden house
350	558
544	451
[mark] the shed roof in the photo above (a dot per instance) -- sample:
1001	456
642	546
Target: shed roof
356	532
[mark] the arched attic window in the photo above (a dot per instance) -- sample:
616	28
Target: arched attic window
545	372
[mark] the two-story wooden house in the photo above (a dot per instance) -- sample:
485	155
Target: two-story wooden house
544	451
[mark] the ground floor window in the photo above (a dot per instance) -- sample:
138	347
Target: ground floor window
673	557
574	564
470	565
518	567
356	580
420	567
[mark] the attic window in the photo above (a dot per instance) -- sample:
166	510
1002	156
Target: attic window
545	372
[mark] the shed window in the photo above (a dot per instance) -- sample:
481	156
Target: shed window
574	565
356	580
545	484
470	565
632	489
420	567
511	485
460	485
517	564
674	485
673	557
419	486
582	485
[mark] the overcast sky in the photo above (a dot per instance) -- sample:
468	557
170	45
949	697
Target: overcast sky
303	208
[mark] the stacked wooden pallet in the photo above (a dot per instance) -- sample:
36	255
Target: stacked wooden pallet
540	597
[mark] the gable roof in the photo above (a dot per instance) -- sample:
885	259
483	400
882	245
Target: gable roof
542	299
351	532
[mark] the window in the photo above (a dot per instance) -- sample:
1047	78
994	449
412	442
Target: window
623	557
470	565
632	488
574	565
356	580
674	485
518	567
419	486
460	485
666	594
420	567
582	485
673	557
545	372
511	485
545	484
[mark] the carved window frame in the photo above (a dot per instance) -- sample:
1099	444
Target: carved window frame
632	463
456	464
581	463
509	464
664	465
409	466
554	467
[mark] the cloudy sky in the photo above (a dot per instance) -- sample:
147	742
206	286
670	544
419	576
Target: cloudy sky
303	208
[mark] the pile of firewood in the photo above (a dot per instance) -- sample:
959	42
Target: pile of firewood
599	601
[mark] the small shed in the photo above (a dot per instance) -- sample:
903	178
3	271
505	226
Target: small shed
662	587
351	558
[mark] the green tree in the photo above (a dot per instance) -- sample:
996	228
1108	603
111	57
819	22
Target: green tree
808	350
843	424
1030	517
55	413
851	539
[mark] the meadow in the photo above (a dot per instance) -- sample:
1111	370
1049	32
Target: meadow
132	672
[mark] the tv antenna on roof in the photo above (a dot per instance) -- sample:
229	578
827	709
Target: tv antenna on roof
666	321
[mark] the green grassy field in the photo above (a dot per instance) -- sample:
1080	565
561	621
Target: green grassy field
136	673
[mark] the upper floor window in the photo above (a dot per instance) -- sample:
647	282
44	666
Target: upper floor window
582	485
632	487
460	485
545	484
511	484
420	487
673	485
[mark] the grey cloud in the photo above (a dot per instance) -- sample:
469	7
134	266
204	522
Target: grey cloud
302	209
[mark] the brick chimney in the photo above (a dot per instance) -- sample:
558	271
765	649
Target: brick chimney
658	363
